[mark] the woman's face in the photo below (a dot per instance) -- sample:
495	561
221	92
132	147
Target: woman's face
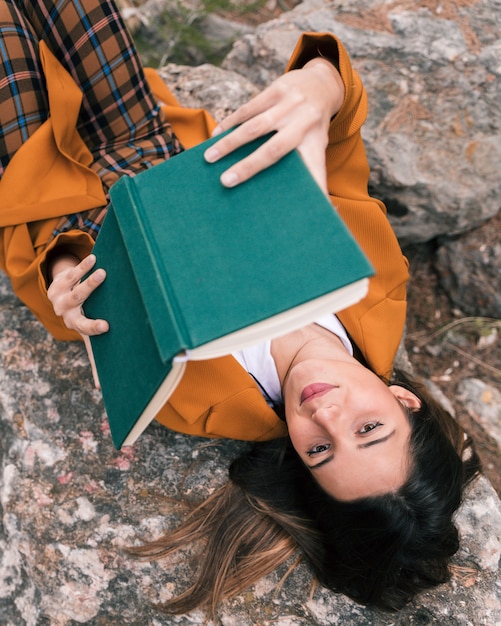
348	427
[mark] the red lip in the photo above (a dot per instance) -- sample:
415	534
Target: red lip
314	391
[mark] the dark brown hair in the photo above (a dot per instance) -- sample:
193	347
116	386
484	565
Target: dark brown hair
380	551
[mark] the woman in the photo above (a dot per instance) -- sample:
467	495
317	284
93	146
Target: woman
362	475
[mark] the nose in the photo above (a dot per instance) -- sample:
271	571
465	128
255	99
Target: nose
325	415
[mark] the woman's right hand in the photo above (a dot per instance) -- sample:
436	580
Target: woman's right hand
299	107
67	293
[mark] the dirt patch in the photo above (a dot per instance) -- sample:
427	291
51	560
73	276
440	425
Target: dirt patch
445	347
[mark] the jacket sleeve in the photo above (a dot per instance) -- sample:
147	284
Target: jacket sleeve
217	398
376	324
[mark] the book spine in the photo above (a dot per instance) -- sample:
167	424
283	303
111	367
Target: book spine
152	278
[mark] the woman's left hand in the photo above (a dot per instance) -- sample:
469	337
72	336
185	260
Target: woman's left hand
299	106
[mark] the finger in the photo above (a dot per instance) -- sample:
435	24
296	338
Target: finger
240	136
94	327
312	151
75	319
263	114
266	155
76	273
80	291
85	265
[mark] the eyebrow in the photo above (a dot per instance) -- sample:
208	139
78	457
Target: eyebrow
322	462
368	444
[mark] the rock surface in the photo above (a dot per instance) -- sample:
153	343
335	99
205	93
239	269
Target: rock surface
469	267
69	503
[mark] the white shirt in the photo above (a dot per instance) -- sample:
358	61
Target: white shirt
259	363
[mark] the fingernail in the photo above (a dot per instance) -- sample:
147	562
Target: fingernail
217	131
229	179
102	326
99	276
212	154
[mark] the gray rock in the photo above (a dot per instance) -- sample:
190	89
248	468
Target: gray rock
209	87
221	31
69	503
483	403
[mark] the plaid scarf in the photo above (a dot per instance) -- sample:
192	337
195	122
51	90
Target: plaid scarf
119	121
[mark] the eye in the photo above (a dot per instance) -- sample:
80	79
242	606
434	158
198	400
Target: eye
322	447
369	426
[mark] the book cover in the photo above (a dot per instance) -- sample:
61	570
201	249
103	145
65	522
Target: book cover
191	263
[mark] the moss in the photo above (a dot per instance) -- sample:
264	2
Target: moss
177	35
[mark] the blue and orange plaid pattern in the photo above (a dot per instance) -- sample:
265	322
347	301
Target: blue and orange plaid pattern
119	121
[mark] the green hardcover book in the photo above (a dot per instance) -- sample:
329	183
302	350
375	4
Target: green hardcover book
197	271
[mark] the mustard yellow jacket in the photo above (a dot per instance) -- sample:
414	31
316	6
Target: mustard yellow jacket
216	398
